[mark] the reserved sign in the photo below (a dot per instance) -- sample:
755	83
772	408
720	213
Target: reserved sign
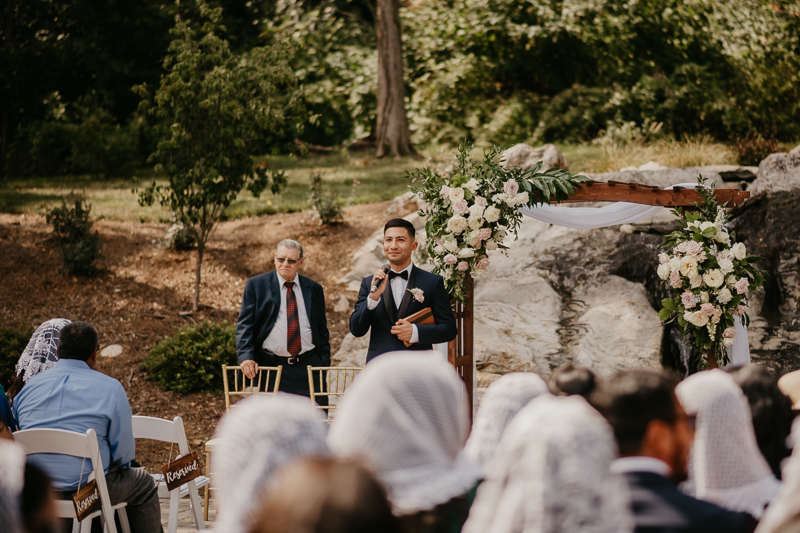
86	500
181	471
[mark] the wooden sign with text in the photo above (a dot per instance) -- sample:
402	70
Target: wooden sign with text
86	500
181	470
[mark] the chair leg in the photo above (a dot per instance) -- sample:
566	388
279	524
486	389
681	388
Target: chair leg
76	526
123	520
208	487
174	503
86	525
194	502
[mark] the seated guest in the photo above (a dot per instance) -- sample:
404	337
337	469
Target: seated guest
323	495
406	420
654	435
569	379
502	401
551	474
783	513
40	354
74	397
771	412
7	422
256	438
725	465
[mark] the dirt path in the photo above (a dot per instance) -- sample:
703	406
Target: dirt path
142	286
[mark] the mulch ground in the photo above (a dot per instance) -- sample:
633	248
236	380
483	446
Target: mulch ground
142	287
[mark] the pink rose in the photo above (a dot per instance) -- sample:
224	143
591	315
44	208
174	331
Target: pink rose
740	310
729	333
481	201
687	299
693	247
445	192
741	286
483	264
663	258
511	188
462	266
707	309
485	234
440	241
681	248
675	279
461	207
450	259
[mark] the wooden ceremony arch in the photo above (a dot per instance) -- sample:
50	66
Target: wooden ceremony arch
461	350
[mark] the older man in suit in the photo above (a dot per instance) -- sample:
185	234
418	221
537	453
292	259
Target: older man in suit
282	322
411	289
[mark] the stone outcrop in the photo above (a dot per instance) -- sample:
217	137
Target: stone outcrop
525	156
778	172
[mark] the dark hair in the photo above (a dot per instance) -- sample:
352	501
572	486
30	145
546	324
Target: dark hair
631	400
36	492
401	223
325	495
77	341
771	410
569	379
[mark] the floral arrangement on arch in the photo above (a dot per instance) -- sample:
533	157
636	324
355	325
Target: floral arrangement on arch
709	276
472	210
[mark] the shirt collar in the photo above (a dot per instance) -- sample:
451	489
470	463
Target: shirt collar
651	465
73	363
408	268
282	282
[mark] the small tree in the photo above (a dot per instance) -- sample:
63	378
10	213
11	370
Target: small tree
214	109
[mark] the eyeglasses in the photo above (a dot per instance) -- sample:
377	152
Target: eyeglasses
285	260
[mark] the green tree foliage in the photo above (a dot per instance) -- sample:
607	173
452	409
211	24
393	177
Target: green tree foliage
72	231
192	359
214	110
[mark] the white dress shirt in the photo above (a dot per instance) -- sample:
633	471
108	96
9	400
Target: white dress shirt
624	465
398	286
276	340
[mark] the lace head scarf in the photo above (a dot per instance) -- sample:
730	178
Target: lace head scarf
12	477
502	401
725	465
551	474
257	437
785	507
406	420
40	353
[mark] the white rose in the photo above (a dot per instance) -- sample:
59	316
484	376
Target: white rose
674	264
521	198
703	226
439	249
475	222
500	235
491	214
723	254
726	265
724	296
456	194
696	280
451	245
731	281
474	238
491	245
714	278
739	251
457	224
728	342
688	266
723	237
472	185
704	297
663	271
511	201
476	211
499	198
466	252
698	318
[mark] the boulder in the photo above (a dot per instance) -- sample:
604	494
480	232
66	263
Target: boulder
352	352
403	205
525	157
663	177
112	350
795	150
778	172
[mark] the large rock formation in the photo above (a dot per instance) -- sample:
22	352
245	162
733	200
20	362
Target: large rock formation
778	172
526	156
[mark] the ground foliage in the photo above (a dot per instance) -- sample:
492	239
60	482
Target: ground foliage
78	247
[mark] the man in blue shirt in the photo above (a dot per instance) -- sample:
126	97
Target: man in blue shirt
74	397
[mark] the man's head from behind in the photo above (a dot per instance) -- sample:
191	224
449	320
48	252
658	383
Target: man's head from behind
647	418
399	241
78	340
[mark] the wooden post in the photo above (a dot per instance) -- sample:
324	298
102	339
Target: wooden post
460	351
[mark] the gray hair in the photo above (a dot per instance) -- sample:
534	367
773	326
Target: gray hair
289	243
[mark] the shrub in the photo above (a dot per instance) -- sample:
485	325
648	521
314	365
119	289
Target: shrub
72	230
753	149
192	359
12	343
328	207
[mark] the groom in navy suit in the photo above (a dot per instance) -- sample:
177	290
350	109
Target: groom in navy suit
282	323
410	289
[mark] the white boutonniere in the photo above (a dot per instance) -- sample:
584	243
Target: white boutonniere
417	294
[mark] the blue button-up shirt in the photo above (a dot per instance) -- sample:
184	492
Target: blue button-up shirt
74	397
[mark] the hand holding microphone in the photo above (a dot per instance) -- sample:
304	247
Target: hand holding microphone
377	282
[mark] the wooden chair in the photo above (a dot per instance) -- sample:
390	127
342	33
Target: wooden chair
172	431
240	386
81	445
339	378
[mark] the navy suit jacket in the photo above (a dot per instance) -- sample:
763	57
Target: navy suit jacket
260	306
659	507
383	317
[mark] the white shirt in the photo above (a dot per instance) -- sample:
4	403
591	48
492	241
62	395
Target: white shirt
398	286
276	340
624	465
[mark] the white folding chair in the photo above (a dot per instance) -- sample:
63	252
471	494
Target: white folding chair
172	431
59	441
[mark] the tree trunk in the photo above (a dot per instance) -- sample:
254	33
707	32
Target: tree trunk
392	127
200	249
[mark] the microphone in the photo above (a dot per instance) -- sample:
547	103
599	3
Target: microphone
377	282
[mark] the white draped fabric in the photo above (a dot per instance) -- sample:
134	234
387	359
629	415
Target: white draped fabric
785	507
626	213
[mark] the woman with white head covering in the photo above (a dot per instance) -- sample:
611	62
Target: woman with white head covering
256	438
783	514
502	401
551	474
406	420
40	354
12	478
725	464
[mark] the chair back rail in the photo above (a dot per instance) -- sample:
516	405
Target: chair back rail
339	378
238	386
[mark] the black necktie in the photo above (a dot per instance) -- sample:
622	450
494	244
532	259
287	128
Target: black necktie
403	274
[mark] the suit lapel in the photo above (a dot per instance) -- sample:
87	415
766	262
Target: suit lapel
412	278
306	295
388	302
